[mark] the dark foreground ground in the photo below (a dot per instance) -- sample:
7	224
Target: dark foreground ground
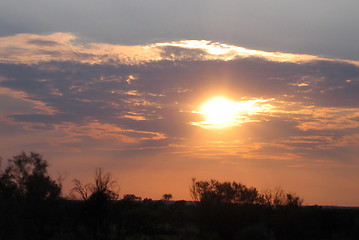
65	220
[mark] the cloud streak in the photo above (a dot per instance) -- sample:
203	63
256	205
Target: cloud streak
32	48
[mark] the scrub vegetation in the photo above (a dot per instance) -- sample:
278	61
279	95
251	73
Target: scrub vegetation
32	206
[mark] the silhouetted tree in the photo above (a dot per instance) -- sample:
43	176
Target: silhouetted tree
293	200
25	191
104	188
131	197
26	177
98	196
278	197
214	191
167	197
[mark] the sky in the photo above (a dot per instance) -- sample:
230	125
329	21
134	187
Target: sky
157	92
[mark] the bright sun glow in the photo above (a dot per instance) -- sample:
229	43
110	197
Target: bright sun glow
221	112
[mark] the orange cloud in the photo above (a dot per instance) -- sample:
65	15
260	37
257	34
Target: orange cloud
32	49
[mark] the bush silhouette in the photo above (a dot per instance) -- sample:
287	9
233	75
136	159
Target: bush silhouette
26	177
27	198
214	191
167	197
131	197
98	197
103	189
278	197
31	208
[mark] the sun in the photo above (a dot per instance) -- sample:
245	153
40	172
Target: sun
220	112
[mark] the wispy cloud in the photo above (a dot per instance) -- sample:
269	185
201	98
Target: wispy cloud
32	48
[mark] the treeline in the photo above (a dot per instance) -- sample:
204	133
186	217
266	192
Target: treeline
32	207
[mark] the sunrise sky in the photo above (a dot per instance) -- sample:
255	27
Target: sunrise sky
159	91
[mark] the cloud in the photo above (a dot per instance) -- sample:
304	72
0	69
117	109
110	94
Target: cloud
33	48
274	26
146	97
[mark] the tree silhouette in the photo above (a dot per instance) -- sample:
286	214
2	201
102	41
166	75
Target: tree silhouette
278	197
131	197
167	197
26	177
214	191
103	189
26	194
98	197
